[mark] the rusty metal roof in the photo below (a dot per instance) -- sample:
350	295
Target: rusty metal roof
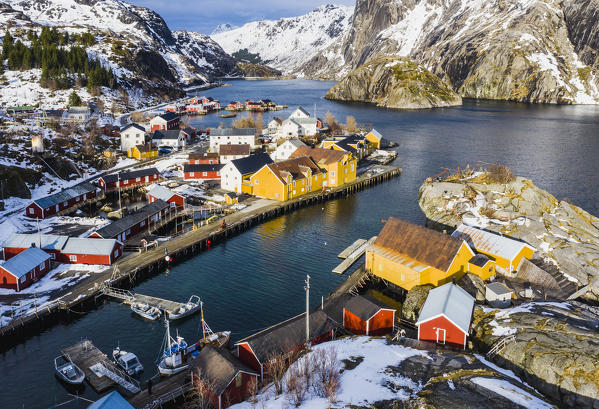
492	243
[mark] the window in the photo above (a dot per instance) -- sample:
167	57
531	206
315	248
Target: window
333	173
191	174
142	224
204	173
53	256
256	182
116	253
352	167
276	195
65	204
380	267
128	232
138	179
124	182
30	210
73	258
403	277
294	183
345	171
302	189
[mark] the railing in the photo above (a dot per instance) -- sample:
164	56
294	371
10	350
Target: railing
500	345
118	293
169	396
120	378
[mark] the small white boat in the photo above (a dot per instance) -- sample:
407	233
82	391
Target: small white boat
67	371
128	361
192	306
174	354
146	311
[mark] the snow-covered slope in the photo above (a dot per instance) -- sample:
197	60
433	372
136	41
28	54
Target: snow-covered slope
287	43
221	28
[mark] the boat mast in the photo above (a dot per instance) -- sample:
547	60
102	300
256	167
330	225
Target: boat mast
168	335
203	325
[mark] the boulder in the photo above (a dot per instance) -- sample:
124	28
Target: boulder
410	309
474	285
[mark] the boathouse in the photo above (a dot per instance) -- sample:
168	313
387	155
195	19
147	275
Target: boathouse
341	167
234	172
375	138
127	180
66	200
406	254
282	339
223	376
202	172
203	158
507	253
234	151
25	268
165	122
365	315
446	316
144	219
131	136
161	193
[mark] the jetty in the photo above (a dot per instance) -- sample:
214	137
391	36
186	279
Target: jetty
164	391
100	372
129	298
352	254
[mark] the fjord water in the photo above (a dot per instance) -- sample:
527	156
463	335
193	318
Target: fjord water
257	278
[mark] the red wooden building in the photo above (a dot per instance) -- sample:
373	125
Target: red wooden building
203	158
145	219
281	339
235	105
18	242
224	378
130	179
205	172
70	198
365	315
446	316
165	122
161	193
24	269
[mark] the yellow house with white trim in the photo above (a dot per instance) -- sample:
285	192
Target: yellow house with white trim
143	152
375	138
358	145
340	166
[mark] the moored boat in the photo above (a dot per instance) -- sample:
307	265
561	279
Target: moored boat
67	371
229	115
128	361
174	354
146	311
192	306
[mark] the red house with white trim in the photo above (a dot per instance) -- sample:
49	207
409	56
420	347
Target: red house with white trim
228	380
59	202
165	122
203	158
16	243
126	180
446	316
161	193
201	172
283	338
365	315
24	269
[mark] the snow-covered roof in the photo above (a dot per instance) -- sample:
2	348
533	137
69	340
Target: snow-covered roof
133	125
451	301
98	247
492	243
65	195
24	240
160	192
25	261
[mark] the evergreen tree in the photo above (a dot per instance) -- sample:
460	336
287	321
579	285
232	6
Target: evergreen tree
74	99
6	45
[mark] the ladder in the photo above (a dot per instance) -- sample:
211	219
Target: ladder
500	344
118	377
125	295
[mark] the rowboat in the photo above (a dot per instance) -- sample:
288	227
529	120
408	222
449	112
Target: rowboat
146	311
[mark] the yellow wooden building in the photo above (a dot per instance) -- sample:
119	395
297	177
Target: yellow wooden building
340	166
286	179
505	252
407	254
358	145
143	152
375	138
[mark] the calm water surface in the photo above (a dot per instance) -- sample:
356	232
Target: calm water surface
257	278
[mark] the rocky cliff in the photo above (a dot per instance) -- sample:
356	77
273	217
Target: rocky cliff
564	234
394	82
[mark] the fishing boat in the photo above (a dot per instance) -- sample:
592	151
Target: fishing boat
128	361
146	311
229	115
67	371
218	339
174	354
192	306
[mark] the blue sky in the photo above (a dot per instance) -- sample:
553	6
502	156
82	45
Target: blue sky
204	15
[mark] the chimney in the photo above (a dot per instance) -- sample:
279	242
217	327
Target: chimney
32	244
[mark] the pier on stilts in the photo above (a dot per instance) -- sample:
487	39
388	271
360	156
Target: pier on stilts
169	307
353	254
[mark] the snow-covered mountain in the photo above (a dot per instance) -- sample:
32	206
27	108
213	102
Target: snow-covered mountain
134	41
221	28
287	43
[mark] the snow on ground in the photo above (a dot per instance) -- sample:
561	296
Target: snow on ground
511	392
504	315
369	382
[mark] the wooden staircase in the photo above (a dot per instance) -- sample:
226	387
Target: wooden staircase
568	287
499	345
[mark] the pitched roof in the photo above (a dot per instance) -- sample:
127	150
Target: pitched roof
252	163
25	261
287	335
418	242
148	147
492	243
364	306
499	288
130	175
295	142
278	120
113	400
302	110
333	307
449	300
296	167
319	155
118	226
80	245
215	167
241	149
232	131
168	116
160	192
170	134
376	134
133	125
24	240
65	195
203	155
479	260
218	367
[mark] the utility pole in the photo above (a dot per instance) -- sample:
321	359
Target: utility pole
118	178
39	233
307	288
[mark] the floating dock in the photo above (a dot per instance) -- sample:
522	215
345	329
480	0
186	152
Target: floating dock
352	256
345	253
169	307
100	372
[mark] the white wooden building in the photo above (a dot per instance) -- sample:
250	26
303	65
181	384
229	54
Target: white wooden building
286	149
132	135
232	136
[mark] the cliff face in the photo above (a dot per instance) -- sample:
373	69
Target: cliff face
394	83
520	50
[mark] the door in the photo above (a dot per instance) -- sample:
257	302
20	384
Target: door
147	179
440	335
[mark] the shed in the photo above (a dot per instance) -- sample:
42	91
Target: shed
228	380
162	193
498	295
24	268
364	315
446	316
71	197
80	250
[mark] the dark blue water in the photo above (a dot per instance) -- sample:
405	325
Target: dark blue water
257	278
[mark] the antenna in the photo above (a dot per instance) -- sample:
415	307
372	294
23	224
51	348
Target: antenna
307	288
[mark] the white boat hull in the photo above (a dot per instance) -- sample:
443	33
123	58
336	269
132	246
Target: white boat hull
166	371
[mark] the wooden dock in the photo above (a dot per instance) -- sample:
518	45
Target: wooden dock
169	307
164	391
353	255
100	372
345	253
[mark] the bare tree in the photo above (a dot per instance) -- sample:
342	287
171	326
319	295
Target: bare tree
350	124
276	369
327	378
199	396
332	123
253	391
296	389
137	116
